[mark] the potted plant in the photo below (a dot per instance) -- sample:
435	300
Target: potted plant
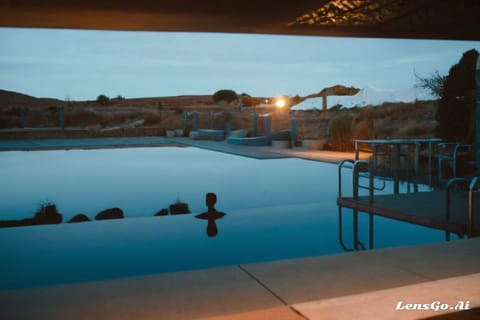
170	130
179	127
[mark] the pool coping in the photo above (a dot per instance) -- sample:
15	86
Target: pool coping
360	285
257	152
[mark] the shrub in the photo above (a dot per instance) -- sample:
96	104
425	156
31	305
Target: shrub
416	128
365	130
248	101
225	95
368	112
384	129
341	130
103	100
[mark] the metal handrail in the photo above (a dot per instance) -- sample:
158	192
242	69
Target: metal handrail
340	231
475	183
354	165
356	180
471	183
343	164
357	167
451	157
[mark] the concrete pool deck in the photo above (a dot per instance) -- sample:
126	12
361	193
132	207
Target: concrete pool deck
355	285
258	152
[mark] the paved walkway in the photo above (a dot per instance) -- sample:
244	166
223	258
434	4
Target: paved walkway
259	152
356	285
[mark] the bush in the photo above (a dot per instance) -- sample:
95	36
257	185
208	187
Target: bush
103	100
341	130
225	95
415	128
365	130
248	101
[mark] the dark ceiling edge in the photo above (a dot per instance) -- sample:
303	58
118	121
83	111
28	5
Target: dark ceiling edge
346	32
212	22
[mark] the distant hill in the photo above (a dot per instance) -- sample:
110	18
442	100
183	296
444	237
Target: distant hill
15	99
10	98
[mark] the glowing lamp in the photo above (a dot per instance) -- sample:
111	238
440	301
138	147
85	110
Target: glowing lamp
280	103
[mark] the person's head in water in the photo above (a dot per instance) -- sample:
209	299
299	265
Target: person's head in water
211	200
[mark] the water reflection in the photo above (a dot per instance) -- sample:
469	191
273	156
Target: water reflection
211	215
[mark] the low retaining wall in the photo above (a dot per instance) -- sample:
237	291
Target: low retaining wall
54	133
208	134
281	144
250	141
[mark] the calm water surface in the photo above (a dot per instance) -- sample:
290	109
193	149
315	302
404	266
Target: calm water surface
275	209
142	181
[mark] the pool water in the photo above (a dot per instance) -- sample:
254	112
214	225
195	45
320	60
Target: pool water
142	181
275	209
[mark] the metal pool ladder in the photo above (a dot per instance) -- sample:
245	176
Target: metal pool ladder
472	185
360	169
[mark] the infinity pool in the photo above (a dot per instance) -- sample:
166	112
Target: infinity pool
142	181
275	209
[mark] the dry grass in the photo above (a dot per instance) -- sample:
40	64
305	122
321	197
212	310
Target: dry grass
390	120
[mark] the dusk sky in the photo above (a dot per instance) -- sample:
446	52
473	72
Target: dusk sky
80	64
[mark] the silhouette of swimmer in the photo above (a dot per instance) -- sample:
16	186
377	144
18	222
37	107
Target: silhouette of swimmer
211	215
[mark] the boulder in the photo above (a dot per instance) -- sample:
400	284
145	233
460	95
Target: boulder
112	213
79	218
179	208
162	212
